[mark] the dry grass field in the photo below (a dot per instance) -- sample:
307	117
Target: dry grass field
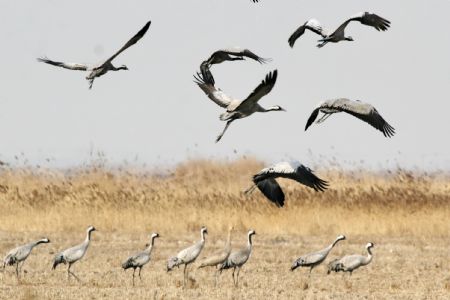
405	214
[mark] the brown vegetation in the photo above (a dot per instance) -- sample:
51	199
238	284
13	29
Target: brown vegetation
405	214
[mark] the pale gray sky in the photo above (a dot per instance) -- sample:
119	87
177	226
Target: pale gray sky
156	112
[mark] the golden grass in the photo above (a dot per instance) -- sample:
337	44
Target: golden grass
210	193
405	214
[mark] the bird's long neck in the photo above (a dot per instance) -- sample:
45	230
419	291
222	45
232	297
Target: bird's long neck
39	242
228	243
272	108
335	242
202	234
249	241
88	237
149	248
369	256
113	68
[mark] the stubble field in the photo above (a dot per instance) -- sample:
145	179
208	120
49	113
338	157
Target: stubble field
406	216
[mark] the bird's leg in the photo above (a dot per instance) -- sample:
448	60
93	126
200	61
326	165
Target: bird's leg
184	275
91	82
17	270
323	118
134	271
140	273
237	276
71	273
21	267
250	189
225	129
234	282
216	276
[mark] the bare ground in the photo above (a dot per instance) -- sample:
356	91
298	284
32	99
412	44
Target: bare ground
403	268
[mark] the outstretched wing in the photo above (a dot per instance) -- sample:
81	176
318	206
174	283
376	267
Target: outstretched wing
305	176
261	90
70	66
206	73
312	117
365	112
131	42
312	25
216	95
272	190
371	19
245	53
368	19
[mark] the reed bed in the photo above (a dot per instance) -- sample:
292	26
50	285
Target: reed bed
206	192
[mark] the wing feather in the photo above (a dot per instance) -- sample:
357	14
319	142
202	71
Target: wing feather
130	43
70	66
272	190
312	25
260	91
216	95
363	111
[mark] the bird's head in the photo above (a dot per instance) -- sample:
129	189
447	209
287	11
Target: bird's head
251	232
349	38
155	235
277	108
204	230
123	67
341	237
369	245
91	228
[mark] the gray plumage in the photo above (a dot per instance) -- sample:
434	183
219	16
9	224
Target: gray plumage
20	254
219	257
187	256
74	254
140	259
363	111
238	258
235	108
333	266
338	35
314	259
265	181
103	67
230	54
349	263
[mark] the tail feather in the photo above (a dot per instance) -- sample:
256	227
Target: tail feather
58	260
173	262
226	265
127	264
335	266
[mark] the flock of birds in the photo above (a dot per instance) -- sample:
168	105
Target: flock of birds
242	108
265	180
224	259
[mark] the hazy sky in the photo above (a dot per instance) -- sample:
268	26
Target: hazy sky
155	112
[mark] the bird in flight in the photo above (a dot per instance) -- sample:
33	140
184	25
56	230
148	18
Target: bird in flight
361	110
265	181
103	67
230	54
236	108
338	35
